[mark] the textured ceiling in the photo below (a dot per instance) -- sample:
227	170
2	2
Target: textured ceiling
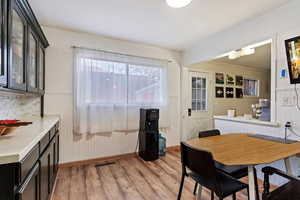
150	21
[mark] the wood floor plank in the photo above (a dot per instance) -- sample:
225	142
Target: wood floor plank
128	179
123	181
78	186
139	180
170	180
94	187
159	188
111	188
64	181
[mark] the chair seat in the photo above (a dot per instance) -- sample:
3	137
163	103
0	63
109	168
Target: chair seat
237	171
228	184
289	191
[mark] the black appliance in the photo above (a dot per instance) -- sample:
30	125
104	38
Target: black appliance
293	57
148	134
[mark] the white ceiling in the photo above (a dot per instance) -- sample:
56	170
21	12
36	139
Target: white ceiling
260	59
150	21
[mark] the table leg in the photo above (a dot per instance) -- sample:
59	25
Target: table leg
199	192
251	182
288	166
297	158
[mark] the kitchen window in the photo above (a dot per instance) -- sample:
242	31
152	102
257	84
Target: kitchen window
251	87
111	88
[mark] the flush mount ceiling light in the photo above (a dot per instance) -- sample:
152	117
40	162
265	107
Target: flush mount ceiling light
178	3
239	53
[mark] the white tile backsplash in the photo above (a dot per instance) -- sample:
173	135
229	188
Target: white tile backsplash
14	106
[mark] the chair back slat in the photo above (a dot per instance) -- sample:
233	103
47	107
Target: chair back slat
209	133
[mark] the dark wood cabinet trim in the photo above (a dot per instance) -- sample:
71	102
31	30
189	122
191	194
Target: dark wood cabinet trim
33	22
15	7
3	24
29	88
31	25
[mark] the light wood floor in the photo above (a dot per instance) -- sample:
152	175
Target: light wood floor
128	179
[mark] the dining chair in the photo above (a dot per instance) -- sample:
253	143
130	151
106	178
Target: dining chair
288	191
201	167
237	171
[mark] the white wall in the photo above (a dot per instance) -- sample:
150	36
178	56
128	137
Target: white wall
58	97
243	105
280	20
279	25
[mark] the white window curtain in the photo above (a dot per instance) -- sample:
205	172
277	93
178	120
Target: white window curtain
110	89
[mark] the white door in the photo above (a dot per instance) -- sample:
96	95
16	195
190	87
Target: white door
197	105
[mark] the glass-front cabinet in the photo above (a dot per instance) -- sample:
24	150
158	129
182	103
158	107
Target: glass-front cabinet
17	57
41	69
32	70
3	43
22	49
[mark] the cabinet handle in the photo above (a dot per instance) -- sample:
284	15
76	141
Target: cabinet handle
34	171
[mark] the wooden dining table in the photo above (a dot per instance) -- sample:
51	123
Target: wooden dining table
242	149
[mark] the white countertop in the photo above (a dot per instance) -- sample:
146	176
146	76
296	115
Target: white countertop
15	145
242	119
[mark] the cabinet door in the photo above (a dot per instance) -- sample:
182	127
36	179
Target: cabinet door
41	70
3	44
30	190
32	70
45	175
17	72
54	157
57	152
52	163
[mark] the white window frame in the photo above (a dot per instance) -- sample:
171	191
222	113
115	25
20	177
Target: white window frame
257	88
206	95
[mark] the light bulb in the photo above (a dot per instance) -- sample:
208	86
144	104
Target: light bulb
248	51
234	55
178	3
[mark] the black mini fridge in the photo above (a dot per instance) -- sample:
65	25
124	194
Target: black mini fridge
149	134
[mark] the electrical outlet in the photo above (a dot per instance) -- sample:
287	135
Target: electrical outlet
288	101
292	124
284	101
294	100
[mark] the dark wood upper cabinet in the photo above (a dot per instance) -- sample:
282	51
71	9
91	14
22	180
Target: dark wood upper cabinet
32	58
41	69
22	48
17	51
3	44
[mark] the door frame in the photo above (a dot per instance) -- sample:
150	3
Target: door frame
183	112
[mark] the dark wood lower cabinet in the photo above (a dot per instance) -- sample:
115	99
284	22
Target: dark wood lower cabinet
52	159
48	168
45	175
57	153
38	180
30	190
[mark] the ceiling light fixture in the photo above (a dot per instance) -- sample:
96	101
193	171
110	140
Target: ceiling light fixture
178	3
253	46
239	53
